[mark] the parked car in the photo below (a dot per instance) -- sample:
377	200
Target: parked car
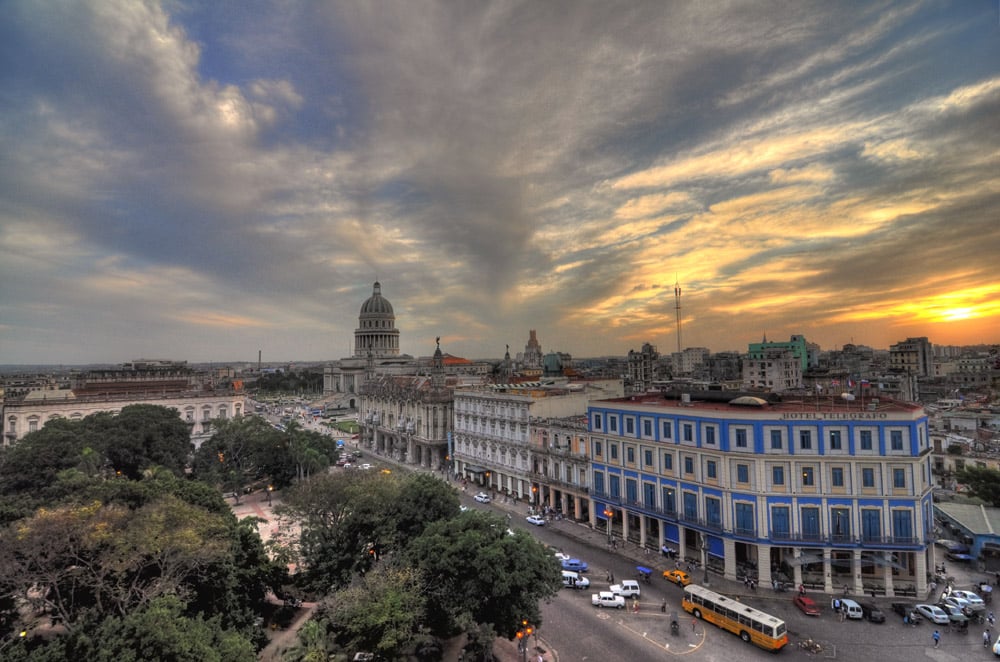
572	579
562	557
678	577
537	520
851	609
872	613
976	603
996	647
955	614
607	599
629	588
961	603
932	613
482	497
576	565
806	605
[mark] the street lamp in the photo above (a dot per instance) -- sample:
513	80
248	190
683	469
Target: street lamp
270	488
609	515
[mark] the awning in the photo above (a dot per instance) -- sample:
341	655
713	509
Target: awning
472	468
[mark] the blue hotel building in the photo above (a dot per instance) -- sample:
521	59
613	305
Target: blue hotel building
823	491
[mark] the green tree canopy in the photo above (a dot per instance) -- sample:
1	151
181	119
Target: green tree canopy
983	482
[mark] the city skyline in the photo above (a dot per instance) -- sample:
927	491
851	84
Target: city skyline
199	181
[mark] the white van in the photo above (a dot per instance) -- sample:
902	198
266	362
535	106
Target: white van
629	588
572	579
851	609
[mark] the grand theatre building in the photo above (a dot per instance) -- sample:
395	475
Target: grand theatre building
828	492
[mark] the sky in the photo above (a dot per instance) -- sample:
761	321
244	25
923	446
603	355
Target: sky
201	181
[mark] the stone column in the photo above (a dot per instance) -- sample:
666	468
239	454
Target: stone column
887	576
642	530
729	558
859	587
827	572
796	567
764	565
681	546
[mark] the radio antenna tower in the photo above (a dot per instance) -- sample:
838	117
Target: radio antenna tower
677	307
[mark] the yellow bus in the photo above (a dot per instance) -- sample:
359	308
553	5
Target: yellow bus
751	624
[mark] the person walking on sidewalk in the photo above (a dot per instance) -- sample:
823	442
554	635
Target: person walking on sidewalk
937	638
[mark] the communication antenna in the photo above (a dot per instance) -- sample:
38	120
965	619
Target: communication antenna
677	307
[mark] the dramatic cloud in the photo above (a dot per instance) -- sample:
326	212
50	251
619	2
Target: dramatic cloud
202	180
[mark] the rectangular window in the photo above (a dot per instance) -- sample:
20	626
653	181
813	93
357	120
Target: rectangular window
805	440
713	511
867	477
837	476
647	428
808	477
780	522
613	449
896	440
871	524
647	457
710	469
688	432
899	478
615	484
710	435
840	524
778	475
630	455
649	495
597	421
669	503
744	518
668	462
688	465
613	423
629	426
866	440
690	505
741	438
776	440
666	430
902	525
742	473
598	450
599	482
835	443
810	523
631	490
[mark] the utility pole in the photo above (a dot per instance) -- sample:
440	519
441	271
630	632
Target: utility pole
677	308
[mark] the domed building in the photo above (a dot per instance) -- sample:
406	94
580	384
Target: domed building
376	333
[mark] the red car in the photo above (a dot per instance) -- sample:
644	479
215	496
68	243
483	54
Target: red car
806	604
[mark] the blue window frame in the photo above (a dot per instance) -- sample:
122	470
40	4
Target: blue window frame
710	435
613	450
902	524
713	511
871	524
598	450
741	438
647	457
778	475
810	522
630	455
669	500
780	521
710	469
649	495
615	483
805	440
688	432
867	477
597	421
629	426
899	478
599	482
613	423
866	440
835	440
808	477
690	505
742	473
666	429
776	442
744	518
837	476
631	490
688	465
896	440
840	523
668	461
647	428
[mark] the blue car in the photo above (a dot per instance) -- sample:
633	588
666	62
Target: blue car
576	565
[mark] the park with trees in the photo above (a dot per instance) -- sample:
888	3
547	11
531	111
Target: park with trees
118	542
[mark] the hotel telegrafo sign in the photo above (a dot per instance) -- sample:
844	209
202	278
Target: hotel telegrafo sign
835	416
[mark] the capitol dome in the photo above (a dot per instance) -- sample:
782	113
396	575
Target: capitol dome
376	334
376	304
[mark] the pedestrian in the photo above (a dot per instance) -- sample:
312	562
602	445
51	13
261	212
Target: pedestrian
663	607
635	605
873	592
937	638
986	638
991	619
694	622
612	580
